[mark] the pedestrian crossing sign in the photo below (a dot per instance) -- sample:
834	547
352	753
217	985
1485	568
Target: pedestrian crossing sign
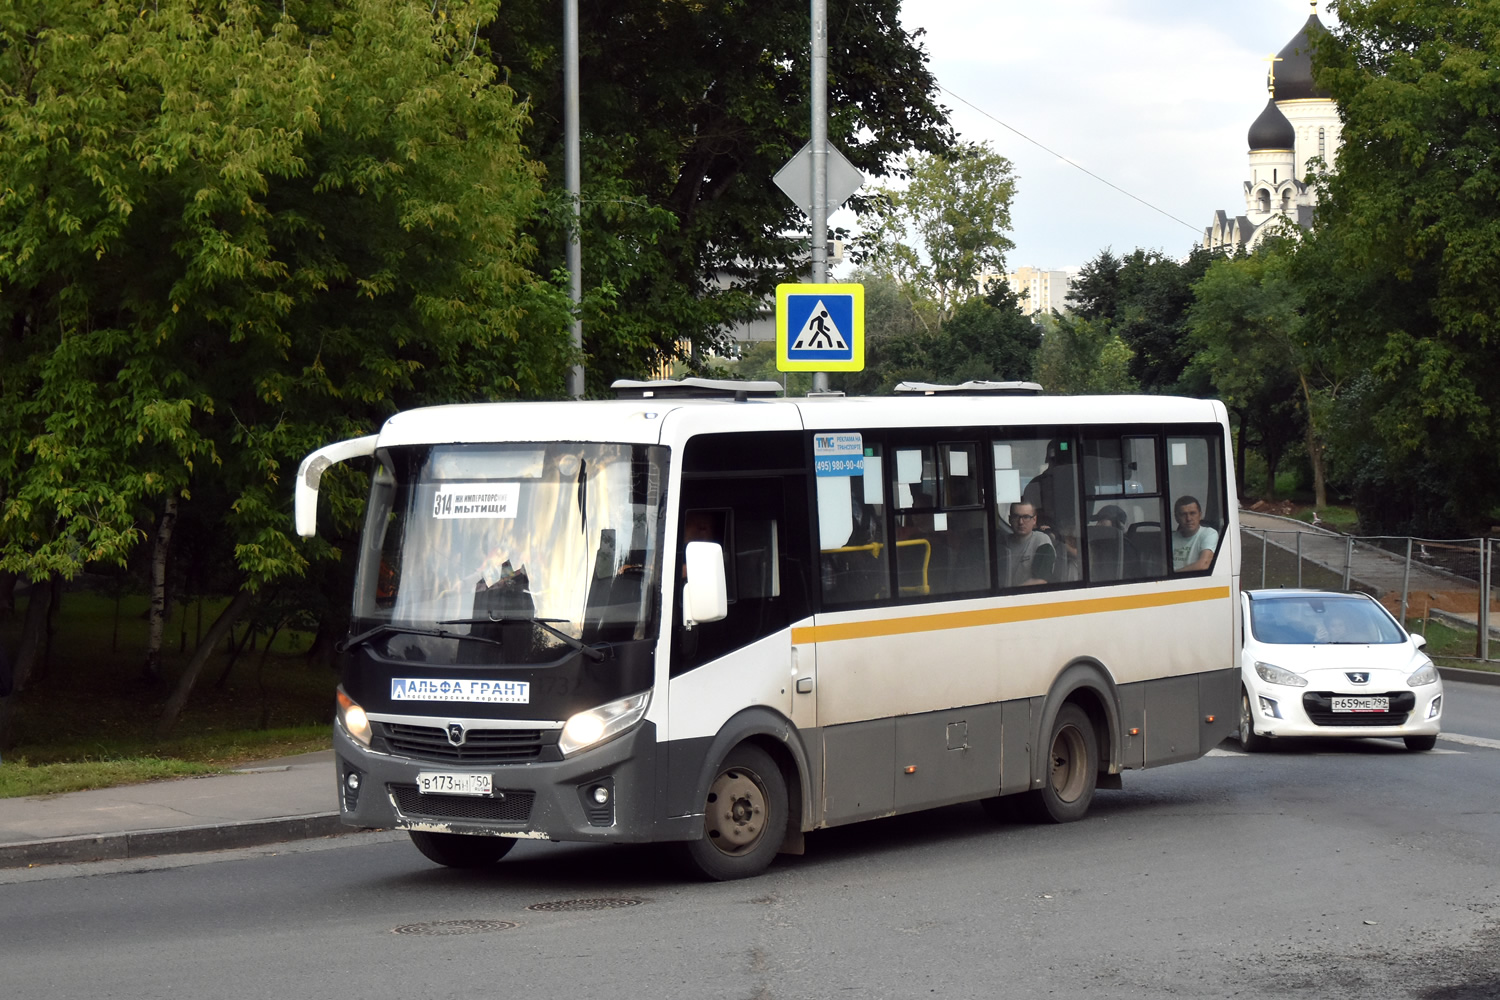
820	328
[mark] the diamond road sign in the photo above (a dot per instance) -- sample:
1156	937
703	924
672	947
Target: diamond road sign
795	179
820	328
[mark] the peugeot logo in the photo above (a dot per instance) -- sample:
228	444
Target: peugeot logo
1363	677
456	733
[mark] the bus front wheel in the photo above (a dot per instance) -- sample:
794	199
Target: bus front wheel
1071	773
461	850
744	817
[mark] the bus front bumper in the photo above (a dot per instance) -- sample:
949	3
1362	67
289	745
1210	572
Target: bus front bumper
554	800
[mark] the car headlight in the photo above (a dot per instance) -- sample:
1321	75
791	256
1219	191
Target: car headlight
353	718
589	728
1427	675
1272	674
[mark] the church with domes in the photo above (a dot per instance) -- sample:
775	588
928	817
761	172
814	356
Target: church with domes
1298	128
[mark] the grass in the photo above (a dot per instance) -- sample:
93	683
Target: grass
1345	519
88	720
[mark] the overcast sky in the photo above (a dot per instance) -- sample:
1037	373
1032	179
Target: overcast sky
1155	96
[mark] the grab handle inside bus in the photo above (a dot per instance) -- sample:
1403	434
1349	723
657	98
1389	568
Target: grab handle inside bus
310	473
705	595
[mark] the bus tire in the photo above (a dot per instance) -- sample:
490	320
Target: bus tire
1072	770
461	850
1250	740
744	817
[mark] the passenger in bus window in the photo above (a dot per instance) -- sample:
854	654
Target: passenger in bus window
1193	543
1031	553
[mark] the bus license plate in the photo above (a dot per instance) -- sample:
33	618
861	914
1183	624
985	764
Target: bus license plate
1361	704
447	783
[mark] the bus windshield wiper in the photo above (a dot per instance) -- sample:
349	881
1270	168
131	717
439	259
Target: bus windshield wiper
542	623
368	634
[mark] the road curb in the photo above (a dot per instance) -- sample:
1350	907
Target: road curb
1471	676
178	840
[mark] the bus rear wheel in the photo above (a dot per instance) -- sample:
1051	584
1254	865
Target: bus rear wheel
461	850
1071	773
744	817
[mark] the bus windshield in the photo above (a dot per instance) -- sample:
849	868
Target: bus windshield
523	546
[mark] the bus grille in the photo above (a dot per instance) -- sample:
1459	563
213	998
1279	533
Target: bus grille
515	807
1319	708
481	746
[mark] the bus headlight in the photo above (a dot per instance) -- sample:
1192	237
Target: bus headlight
605	722
353	719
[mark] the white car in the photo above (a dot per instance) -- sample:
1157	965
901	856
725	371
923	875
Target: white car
1315	663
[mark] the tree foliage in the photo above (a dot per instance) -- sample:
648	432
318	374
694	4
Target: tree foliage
1081	356
1402	274
1145	296
231	232
987	339
688	109
944	230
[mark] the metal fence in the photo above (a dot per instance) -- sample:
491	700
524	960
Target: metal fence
1416	578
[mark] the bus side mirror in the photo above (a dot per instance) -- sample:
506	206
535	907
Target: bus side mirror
310	473
705	596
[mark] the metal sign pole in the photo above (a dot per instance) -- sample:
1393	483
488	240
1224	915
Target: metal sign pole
819	86
572	174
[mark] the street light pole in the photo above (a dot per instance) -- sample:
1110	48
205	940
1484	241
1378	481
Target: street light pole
819	86
573	178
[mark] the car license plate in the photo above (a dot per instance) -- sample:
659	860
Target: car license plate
1366	704
448	783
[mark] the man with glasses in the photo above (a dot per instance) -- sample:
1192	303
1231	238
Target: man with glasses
1031	553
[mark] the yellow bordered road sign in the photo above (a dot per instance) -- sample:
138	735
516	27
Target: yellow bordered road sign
820	328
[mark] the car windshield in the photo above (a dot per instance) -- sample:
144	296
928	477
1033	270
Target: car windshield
555	539
1306	619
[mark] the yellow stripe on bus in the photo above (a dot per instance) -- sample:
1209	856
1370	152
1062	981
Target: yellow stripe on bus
999	616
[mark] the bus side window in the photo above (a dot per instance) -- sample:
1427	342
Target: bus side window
1195	484
854	555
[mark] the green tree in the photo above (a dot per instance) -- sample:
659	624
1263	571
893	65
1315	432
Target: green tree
1081	356
1247	322
1145	296
228	236
687	111
946	229
1400	273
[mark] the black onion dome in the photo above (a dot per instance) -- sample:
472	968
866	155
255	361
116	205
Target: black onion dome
1272	130
1293	79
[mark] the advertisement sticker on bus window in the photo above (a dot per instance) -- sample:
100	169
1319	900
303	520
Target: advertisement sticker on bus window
460	689
874	490
838	454
908	465
1007	485
476	500
958	462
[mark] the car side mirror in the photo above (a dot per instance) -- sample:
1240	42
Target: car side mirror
705	596
1418	640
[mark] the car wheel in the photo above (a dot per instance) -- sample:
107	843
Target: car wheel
461	850
1071	773
1250	741
1419	743
744	817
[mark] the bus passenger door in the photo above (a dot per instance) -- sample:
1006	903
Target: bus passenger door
745	660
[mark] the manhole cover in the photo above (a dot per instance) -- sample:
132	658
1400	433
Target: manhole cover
596	903
446	927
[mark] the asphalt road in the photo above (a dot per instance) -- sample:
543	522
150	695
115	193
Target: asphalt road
1318	870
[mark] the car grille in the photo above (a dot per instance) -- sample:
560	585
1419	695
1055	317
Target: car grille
515	807
1319	708
481	746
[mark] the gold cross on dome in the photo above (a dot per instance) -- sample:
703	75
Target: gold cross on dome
1271	76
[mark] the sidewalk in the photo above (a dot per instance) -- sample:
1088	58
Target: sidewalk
276	800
